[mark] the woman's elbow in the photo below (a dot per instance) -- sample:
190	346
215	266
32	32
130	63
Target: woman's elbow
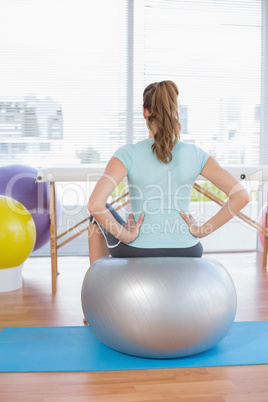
94	207
91	206
245	198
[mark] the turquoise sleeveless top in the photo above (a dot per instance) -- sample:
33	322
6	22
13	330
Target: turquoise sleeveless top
161	191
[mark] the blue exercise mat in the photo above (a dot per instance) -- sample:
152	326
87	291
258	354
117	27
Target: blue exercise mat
45	349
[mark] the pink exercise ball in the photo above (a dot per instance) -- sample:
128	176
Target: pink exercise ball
261	221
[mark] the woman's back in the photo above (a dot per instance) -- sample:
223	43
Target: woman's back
161	191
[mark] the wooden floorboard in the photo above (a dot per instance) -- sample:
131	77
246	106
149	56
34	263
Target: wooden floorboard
36	305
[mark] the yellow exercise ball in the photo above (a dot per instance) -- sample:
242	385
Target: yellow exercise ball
17	233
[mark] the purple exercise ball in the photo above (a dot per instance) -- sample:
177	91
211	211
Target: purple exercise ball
19	183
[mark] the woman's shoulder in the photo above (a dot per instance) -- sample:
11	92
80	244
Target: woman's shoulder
147	142
188	146
140	144
193	154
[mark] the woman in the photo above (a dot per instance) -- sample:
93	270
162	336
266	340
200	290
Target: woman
161	171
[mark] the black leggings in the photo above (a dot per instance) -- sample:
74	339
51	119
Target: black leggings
121	250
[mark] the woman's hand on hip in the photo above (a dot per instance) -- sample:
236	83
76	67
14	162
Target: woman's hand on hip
194	229
133	227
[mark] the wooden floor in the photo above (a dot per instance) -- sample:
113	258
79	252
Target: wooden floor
35	305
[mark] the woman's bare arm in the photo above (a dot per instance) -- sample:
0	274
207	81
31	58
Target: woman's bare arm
114	173
237	199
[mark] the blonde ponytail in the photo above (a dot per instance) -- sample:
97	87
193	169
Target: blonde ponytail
160	99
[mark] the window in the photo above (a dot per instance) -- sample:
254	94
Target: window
78	84
212	50
62	79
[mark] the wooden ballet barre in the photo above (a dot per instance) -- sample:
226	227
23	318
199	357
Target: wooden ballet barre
245	218
240	215
72	228
120	198
74	236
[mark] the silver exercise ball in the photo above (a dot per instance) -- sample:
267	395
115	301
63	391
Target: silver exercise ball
159	307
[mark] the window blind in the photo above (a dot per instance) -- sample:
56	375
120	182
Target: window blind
212	50
62	80
72	74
